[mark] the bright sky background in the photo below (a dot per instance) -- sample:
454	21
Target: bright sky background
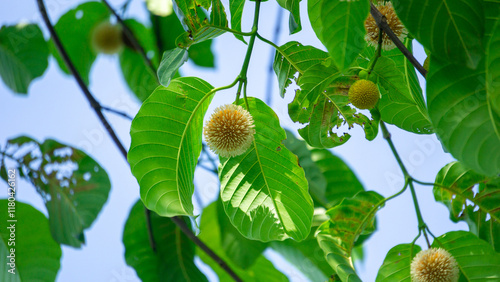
56	108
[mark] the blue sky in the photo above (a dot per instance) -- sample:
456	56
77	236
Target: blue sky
56	108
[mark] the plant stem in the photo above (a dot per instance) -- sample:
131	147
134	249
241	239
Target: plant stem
131	38
98	110
246	62
151	237
378	53
382	24
232	30
114	111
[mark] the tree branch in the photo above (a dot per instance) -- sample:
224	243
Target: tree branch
114	111
98	110
131	38
383	25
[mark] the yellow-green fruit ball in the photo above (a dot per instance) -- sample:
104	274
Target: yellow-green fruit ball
107	38
364	94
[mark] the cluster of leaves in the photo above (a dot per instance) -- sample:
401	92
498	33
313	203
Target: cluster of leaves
293	196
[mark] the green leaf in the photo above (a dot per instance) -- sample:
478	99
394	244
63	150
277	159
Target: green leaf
37	256
293	57
293	6
166	144
210	233
172	60
476	259
398	106
314	176
74	28
322	104
138	75
455	31
24	55
348	220
264	190
492	16
339	25
396	266
236	10
306	256
493	77
340	178
73	186
202	54
173	259
242	251
459	111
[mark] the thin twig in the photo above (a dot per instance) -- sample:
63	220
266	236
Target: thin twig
183	226
98	110
151	236
277	31
114	111
90	98
131	38
382	24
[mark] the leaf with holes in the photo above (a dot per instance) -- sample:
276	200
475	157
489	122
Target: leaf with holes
211	234
173	259
459	110
396	266
166	144
139	76
73	186
322	104
293	58
24	55
455	32
348	220
339	25
264	190
37	256
475	258
75	31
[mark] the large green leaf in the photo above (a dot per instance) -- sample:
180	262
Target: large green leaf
171	62
341	182
173	259
242	251
455	31
210	233
314	176
264	190
340	27
398	106
73	186
459	110
396	266
74	28
36	255
293	57
348	220
138	75
166	144
294	7
476	259
322	104
455	190
493	77
24	55
236	10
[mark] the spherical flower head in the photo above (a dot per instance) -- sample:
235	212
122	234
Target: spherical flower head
107	38
397	27
364	94
434	265
230	131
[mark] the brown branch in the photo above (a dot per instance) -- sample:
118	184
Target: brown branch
117	112
98	110
131	38
383	25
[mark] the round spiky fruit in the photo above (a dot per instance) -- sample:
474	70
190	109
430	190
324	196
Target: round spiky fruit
364	94
107	38
394	23
432	265
230	131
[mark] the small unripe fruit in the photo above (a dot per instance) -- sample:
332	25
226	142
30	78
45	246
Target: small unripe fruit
107	38
364	94
363	74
